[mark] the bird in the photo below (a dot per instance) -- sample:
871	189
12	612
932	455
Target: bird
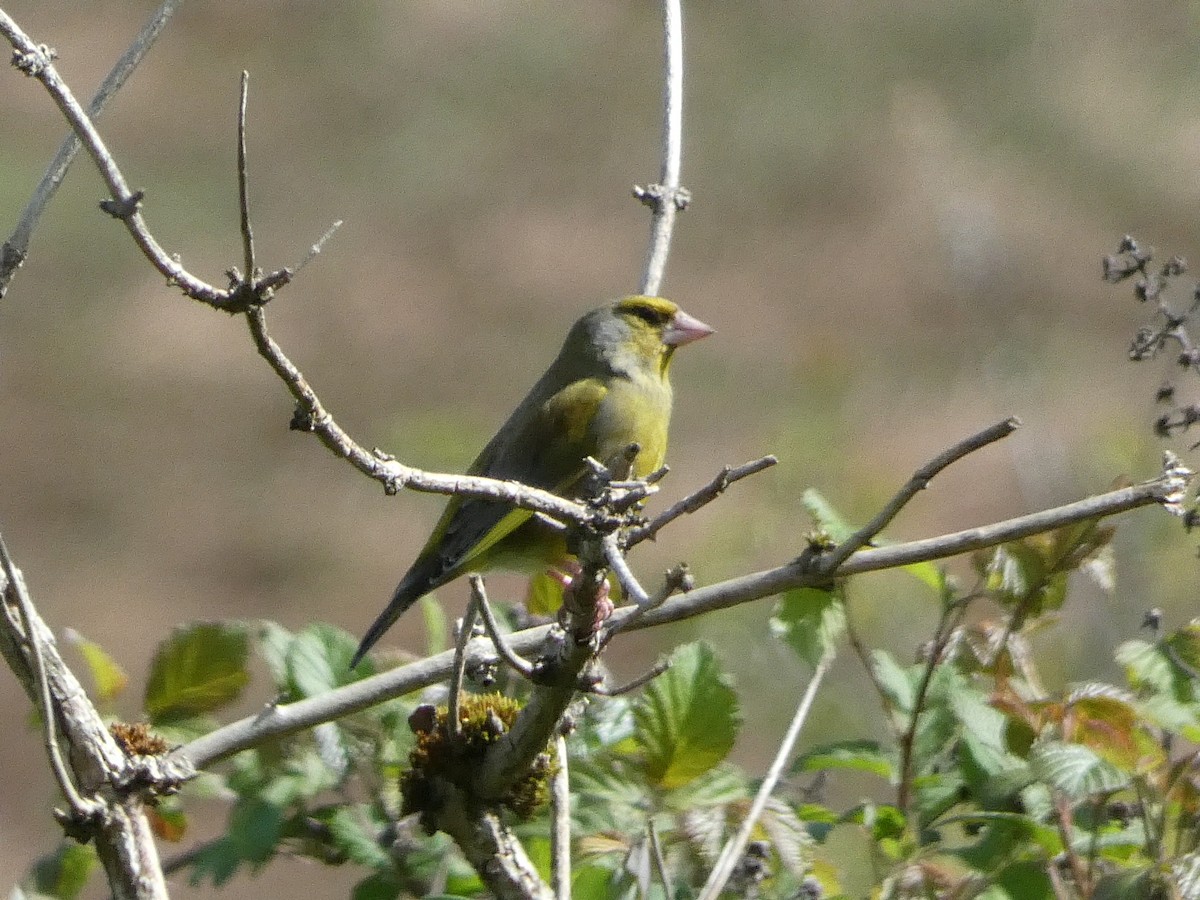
607	389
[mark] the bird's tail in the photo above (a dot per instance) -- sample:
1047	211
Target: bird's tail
407	593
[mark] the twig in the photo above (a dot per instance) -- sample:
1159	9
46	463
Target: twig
629	687
919	481
616	562
560	836
951	618
694	501
660	864
393	475
677	578
81	810
480	600
292	717
35	61
736	846
244	184
16	248
668	197
466	630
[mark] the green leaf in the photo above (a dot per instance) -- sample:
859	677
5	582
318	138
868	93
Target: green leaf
108	677
273	641
351	837
826	517
198	669
380	886
720	786
1147	666
895	681
1074	769
929	574
255	827
1184	647
810	621
591	882
318	660
1023	880
64	872
858	755
687	719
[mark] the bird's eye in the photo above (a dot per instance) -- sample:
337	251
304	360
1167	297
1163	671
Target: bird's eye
648	315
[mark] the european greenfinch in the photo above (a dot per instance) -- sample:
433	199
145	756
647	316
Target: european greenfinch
606	390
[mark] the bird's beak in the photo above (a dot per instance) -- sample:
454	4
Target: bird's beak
683	329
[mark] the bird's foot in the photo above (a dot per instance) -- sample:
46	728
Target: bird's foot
596	612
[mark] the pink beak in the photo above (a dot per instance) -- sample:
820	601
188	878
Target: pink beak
683	329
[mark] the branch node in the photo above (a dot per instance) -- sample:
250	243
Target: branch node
124	208
1176	477
657	196
304	420
34	62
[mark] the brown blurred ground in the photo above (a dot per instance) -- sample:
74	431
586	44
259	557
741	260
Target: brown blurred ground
900	209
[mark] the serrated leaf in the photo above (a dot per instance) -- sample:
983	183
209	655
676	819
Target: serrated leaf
810	621
1075	770
1184	647
273	641
318	660
687	718
108	677
895	681
826	517
858	755
198	669
1147	666
349	836
720	786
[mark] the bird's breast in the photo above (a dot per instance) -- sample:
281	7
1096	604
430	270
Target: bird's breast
634	411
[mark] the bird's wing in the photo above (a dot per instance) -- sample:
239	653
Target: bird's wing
542	445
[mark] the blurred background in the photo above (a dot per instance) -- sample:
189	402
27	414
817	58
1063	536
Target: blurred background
899	215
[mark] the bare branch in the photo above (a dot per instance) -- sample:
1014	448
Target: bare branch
119	826
694	501
919	481
16	248
81	810
660	864
466	631
629	687
668	197
616	562
736	846
36	61
560	835
479	595
288	718
393	475
244	184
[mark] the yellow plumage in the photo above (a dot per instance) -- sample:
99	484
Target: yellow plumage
607	388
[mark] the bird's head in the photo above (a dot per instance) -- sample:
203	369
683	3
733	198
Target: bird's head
637	332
